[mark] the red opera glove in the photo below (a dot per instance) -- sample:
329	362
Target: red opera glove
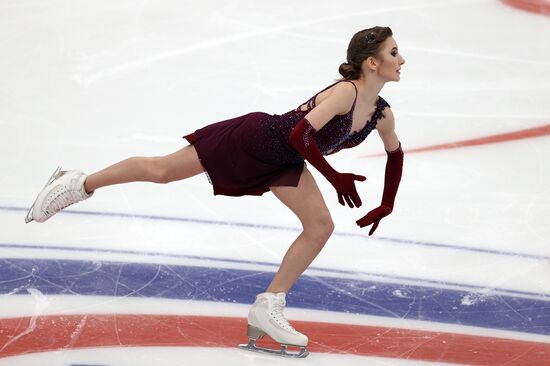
374	217
302	138
394	170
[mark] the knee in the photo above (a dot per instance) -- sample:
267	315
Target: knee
158	170
320	226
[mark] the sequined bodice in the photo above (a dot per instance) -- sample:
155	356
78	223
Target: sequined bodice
269	142
336	134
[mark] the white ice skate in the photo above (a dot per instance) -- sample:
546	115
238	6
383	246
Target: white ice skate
266	317
62	189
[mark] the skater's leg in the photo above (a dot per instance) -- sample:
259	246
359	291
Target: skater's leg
182	164
68	187
308	204
266	315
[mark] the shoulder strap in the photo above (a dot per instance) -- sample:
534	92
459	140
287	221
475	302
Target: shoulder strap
356	92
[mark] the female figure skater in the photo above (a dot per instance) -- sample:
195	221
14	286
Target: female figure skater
258	152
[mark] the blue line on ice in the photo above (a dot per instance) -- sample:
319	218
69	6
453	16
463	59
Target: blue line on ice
354	296
395	241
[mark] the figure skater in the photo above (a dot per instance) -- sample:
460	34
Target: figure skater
259	152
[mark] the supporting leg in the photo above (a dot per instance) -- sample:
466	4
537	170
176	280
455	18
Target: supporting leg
308	205
266	315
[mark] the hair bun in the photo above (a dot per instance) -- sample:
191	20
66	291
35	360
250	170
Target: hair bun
348	71
364	44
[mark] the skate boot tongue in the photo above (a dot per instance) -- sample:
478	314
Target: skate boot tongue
281	298
278	306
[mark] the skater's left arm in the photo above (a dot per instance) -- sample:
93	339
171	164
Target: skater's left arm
386	130
394	169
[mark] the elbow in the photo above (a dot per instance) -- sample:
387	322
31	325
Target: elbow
302	136
293	139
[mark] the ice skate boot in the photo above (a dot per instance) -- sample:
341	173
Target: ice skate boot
266	317
62	189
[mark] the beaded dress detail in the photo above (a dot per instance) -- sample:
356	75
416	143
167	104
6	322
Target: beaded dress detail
248	154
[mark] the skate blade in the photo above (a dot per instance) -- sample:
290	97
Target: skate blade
283	352
53	177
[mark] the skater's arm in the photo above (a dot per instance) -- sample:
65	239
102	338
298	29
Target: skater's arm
302	138
394	170
339	101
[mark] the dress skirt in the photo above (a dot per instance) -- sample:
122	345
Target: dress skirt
247	155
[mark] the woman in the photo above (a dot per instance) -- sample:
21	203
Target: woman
258	152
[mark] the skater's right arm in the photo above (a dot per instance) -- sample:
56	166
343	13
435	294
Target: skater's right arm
302	138
339	101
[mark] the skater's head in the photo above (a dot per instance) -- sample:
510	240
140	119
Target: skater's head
372	51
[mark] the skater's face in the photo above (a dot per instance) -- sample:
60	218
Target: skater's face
387	64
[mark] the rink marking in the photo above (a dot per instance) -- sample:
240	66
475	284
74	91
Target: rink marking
533	132
53	333
394	241
486	309
22	306
270	266
227	287
533	6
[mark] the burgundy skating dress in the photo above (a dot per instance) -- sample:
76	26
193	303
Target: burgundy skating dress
248	154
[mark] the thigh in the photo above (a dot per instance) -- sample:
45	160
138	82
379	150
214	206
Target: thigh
183	163
305	200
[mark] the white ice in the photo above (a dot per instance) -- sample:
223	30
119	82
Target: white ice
84	84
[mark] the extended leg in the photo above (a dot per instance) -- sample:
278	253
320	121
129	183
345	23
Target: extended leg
65	188
182	164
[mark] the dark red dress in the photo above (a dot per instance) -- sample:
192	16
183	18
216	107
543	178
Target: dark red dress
248	154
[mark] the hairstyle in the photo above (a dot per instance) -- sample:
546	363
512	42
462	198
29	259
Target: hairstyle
363	44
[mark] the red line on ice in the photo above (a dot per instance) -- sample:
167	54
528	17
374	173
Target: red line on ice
504	137
53	333
534	6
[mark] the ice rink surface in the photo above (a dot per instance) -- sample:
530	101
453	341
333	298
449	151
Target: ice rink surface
147	274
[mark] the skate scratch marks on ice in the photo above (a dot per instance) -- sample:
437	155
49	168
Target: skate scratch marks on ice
360	299
41	304
124	68
75	335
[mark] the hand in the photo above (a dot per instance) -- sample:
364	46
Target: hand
374	217
302	138
345	188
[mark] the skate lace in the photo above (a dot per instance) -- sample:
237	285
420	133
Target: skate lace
278	317
62	198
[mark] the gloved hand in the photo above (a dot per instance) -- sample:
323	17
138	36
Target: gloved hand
302	138
374	217
394	169
344	183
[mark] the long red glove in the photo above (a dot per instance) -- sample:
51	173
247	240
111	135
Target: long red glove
302	138
394	170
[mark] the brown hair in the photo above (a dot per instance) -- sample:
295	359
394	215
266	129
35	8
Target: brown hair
363	44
